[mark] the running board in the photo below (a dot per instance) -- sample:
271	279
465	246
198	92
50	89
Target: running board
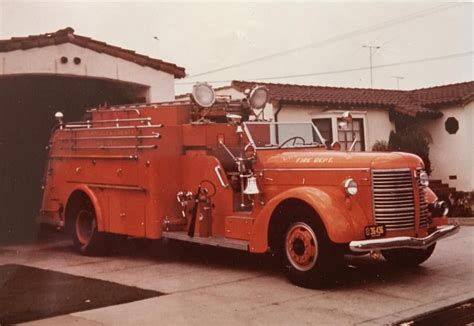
210	241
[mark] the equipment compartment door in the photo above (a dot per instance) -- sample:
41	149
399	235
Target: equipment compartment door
126	212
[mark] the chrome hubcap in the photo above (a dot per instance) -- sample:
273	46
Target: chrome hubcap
301	246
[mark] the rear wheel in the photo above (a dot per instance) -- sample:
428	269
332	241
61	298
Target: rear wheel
408	257
86	237
309	256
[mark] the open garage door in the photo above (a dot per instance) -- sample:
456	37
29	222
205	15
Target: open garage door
27	107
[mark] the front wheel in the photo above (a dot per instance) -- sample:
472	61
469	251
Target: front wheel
408	257
308	254
87	239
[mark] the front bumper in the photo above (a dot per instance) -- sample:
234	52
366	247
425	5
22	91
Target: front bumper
404	242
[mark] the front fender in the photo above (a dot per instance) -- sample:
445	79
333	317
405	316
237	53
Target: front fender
95	202
337	212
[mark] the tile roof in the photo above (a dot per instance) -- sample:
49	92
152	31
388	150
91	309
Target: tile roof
67	35
415	102
445	95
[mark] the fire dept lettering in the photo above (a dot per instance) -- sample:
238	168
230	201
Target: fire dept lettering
303	158
314	160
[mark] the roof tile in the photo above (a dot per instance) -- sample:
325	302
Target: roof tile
415	102
67	35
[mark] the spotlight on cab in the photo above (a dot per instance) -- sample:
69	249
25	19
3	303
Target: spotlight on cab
258	97
203	94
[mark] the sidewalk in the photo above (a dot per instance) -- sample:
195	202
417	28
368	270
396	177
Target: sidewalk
206	286
464	221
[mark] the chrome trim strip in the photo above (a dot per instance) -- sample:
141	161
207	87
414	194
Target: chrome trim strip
114	187
111	186
404	242
111	147
318	169
390	170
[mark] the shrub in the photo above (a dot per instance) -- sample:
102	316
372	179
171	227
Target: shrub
413	139
381	146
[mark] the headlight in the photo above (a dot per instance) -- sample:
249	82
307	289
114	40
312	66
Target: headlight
203	95
439	208
350	186
258	97
424	179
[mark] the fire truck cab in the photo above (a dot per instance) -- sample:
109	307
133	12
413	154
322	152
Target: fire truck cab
213	171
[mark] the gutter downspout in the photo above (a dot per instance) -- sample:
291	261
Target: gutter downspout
280	106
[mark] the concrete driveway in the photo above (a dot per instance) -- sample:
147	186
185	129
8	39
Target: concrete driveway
207	286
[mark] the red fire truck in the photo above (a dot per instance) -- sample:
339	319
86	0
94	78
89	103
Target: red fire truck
213	171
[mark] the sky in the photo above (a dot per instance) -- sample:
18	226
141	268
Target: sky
422	44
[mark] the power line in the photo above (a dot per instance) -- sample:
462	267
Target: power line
336	38
333	72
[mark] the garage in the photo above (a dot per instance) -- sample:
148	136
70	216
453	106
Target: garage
61	71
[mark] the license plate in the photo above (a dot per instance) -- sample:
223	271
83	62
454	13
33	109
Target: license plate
374	231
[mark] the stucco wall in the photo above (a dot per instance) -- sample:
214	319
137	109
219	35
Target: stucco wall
47	60
453	154
377	125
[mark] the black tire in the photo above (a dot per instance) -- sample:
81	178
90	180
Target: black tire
407	257
87	239
309	256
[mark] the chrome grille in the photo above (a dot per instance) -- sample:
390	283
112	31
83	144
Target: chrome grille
424	211
394	204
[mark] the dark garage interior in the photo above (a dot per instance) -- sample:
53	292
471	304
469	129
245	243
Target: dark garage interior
27	107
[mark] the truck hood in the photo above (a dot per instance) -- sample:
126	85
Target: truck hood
305	158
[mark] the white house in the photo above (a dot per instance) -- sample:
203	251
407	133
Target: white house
375	114
64	53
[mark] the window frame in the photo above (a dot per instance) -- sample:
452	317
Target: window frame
348	131
335	114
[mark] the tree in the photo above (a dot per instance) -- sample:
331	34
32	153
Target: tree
412	139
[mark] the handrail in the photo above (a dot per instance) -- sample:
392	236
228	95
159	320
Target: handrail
87	127
117	121
217	169
155	136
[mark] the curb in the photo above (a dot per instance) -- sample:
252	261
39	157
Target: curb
418	311
465	221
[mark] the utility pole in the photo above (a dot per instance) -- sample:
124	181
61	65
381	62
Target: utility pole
371	48
398	78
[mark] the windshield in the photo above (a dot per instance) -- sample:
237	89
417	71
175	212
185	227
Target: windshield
283	134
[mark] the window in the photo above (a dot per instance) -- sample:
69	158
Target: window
289	134
324	126
354	130
451	125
